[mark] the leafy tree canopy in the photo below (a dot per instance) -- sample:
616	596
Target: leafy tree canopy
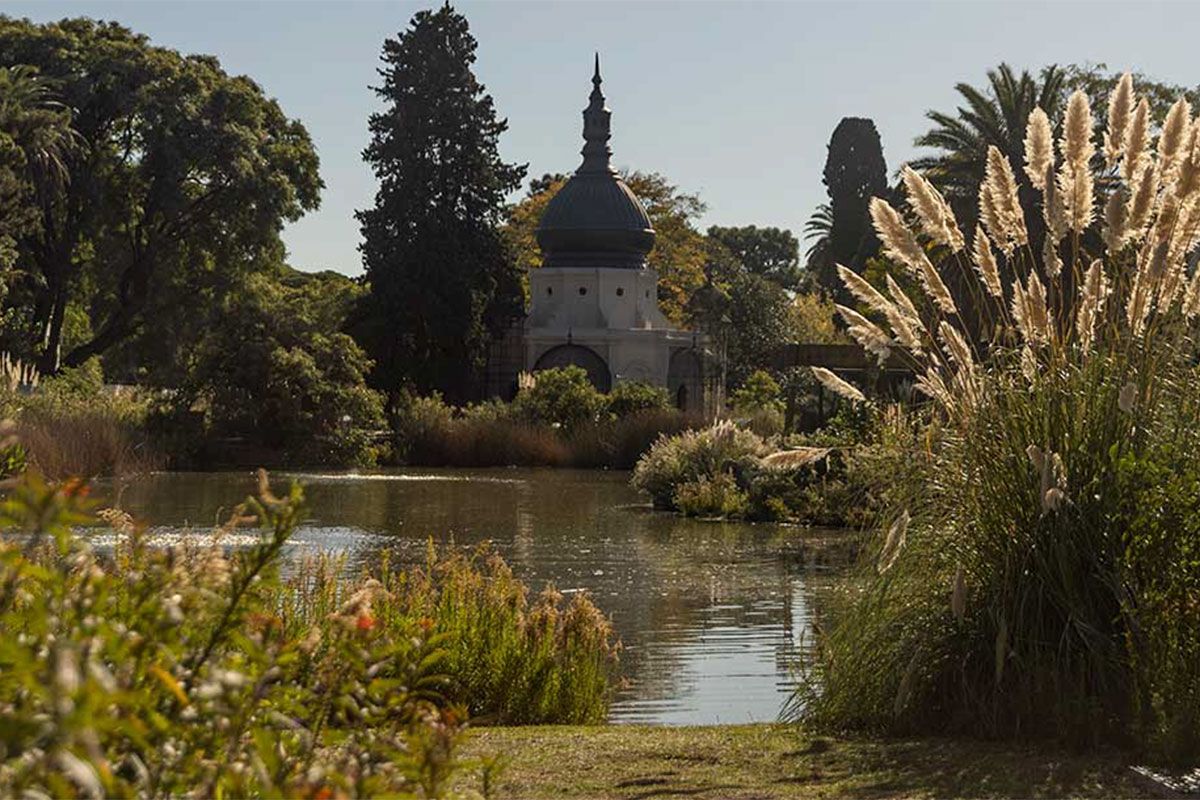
442	281
773	253
180	179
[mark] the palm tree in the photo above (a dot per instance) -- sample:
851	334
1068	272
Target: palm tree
996	115
37	124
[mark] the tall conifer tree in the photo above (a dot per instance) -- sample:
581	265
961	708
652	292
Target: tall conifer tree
442	282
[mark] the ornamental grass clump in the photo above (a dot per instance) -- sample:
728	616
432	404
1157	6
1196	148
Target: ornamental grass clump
693	456
1039	574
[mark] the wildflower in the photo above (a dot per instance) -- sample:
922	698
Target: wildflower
311	640
1039	148
838	386
364	622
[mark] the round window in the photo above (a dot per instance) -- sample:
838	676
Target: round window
620	292
582	290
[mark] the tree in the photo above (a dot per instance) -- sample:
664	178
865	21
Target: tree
772	253
181	173
994	116
854	173
35	136
442	280
679	249
276	372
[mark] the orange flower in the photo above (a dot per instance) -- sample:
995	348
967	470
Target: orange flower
426	624
365	622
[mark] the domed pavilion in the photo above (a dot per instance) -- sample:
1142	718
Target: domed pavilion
594	302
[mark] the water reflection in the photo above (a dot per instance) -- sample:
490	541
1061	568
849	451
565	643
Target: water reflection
711	614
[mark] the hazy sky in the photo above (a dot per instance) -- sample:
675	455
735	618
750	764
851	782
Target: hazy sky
734	101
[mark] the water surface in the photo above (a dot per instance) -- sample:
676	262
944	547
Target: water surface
712	615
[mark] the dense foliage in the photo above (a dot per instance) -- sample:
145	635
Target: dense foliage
159	672
442	280
278	376
177	177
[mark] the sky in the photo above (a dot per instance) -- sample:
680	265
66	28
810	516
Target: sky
733	101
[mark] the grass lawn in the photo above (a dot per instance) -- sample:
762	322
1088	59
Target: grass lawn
769	761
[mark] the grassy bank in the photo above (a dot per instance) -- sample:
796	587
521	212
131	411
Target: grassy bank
773	761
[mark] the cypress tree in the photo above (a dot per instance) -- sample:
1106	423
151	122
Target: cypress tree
442	282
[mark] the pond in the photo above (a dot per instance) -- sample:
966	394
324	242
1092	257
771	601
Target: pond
712	615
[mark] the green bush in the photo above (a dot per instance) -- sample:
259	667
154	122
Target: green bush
276	375
716	496
630	397
562	398
758	392
692	456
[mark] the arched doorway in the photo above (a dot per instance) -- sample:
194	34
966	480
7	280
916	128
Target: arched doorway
565	355
684	376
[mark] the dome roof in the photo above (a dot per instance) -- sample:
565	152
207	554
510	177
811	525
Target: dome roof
595	219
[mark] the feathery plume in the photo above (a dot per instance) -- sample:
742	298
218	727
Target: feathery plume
1002	186
1039	148
1029	310
1029	364
932	386
1120	108
862	290
897	535
1171	140
866	333
900	244
1077	148
1050	260
985	263
838	386
957	347
1116	213
1092	295
1075	176
1054	210
1137	142
936	217
903	302
1143	189
1187	177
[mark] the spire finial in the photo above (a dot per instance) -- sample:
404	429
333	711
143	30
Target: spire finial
596	116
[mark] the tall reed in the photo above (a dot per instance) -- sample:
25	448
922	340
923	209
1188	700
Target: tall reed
1012	592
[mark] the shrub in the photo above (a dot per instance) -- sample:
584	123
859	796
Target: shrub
715	496
629	397
759	391
421	426
161	672
562	397
1027	585
692	456
72	424
196	669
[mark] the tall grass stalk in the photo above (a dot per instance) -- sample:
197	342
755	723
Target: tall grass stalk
1016	593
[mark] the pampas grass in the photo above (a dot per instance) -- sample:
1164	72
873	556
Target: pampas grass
1042	585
